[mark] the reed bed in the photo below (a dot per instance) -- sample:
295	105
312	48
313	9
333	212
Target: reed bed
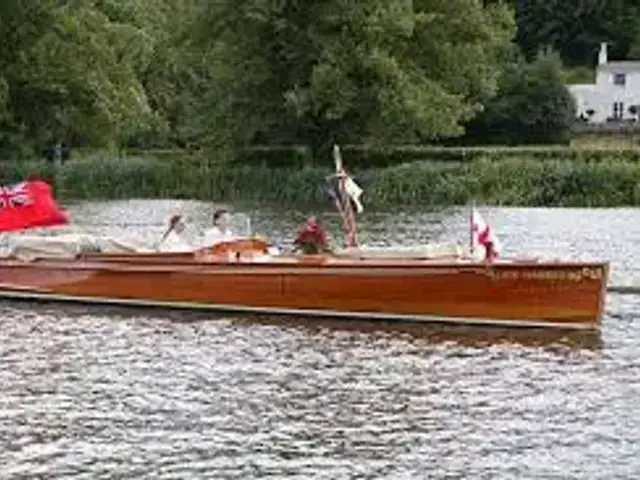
523	181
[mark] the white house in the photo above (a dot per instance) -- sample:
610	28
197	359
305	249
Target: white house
617	88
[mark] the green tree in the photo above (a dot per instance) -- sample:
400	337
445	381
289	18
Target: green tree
532	106
68	69
351	71
171	71
575	28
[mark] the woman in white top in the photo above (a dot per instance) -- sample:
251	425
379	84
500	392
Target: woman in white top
219	231
174	241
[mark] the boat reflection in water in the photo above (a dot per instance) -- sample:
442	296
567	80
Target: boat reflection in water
464	335
168	321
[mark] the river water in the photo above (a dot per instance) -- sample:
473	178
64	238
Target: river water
125	393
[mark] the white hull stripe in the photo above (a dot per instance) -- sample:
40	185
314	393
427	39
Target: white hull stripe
27	295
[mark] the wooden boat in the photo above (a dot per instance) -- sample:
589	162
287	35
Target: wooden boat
434	285
542	294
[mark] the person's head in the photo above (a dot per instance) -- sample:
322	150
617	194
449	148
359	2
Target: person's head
312	220
176	224
221	218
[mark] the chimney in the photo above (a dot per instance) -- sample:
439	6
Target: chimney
602	56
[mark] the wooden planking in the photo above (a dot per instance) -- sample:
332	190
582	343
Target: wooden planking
571	292
453	295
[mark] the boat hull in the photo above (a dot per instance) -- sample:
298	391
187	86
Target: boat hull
564	295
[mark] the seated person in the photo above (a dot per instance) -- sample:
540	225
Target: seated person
219	231
311	239
173	240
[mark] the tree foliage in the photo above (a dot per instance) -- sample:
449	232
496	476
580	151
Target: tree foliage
532	106
575	28
350	71
89	71
231	73
69	68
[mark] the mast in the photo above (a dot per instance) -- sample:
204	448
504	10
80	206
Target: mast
346	210
471	242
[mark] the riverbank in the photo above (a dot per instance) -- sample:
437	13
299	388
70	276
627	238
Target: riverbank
611	179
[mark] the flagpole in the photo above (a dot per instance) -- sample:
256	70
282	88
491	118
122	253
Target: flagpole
337	159
347	209
351	238
471	242
338	204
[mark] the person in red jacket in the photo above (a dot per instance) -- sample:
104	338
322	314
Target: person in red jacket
312	238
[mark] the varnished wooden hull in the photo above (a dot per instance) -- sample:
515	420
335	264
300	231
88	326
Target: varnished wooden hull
520	294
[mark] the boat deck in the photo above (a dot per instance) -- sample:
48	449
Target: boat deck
157	262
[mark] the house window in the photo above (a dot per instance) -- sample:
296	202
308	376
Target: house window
619	79
618	110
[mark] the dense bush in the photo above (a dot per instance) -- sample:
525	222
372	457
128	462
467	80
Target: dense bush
532	106
533	177
365	158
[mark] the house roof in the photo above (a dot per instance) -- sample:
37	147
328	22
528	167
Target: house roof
622	67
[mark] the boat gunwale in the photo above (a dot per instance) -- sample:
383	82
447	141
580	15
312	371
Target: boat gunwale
296	265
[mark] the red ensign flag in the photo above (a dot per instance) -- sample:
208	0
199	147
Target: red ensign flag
29	205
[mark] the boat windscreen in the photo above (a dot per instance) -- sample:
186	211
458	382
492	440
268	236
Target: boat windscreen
240	224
